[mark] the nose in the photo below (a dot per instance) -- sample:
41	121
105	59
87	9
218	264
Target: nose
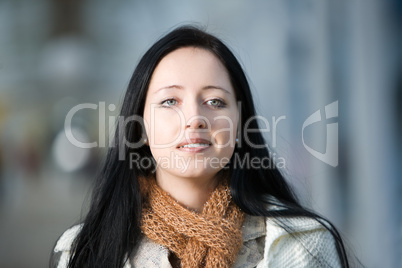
194	115
195	118
196	122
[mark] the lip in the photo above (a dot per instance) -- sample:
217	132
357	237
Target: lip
194	149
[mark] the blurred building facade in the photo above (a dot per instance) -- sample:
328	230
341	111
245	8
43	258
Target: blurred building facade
300	56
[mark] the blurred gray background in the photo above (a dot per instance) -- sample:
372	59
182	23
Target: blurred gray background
299	55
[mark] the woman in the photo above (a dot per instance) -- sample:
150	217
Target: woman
175	190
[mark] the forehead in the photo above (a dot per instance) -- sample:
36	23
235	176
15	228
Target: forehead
190	66
191	53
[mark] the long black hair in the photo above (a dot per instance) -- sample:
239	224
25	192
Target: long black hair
111	230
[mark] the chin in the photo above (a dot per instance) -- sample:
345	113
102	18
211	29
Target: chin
197	173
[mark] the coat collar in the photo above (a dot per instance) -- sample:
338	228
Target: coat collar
253	227
254	232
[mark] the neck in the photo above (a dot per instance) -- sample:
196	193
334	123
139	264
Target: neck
191	193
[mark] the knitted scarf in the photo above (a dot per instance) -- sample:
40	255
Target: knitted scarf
209	239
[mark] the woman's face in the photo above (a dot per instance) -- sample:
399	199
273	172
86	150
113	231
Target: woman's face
190	114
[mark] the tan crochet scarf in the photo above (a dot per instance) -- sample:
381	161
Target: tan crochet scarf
210	239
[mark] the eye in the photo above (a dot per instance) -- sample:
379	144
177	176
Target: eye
169	102
216	103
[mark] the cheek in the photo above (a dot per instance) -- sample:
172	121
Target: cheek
225	131
163	126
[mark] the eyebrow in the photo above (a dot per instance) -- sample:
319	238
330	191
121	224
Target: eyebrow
204	88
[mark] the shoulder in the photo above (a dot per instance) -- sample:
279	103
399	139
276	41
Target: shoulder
61	251
67	238
304	242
